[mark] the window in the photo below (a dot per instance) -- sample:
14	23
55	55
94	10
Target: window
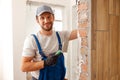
58	19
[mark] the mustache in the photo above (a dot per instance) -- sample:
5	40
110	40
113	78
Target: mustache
48	23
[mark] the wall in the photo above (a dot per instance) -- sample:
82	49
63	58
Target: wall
6	49
84	25
19	28
55	2
105	40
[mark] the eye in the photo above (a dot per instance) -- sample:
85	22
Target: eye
42	18
49	17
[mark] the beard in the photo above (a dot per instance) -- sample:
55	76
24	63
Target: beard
47	29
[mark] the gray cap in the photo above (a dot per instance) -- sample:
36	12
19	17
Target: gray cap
43	9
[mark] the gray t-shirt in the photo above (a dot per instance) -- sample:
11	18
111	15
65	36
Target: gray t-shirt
49	44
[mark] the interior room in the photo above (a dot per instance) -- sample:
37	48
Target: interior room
93	56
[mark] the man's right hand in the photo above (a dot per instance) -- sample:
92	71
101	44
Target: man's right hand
51	60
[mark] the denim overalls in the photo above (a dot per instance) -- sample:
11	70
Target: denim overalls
54	72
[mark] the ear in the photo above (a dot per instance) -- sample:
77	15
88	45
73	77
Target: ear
37	19
53	17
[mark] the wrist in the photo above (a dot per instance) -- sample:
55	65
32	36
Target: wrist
43	64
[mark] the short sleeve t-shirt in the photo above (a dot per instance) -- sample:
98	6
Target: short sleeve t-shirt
49	45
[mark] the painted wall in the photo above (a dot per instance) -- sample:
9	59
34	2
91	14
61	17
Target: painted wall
6	51
18	14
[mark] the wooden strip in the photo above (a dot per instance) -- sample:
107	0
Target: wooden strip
102	15
114	31
117	7
102	55
93	65
112	7
94	24
119	48
106	56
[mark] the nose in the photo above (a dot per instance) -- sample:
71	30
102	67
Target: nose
46	20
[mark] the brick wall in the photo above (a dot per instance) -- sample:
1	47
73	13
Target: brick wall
83	25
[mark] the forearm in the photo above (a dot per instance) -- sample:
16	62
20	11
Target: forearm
73	35
32	66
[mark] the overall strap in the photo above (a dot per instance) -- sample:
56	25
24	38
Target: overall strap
59	41
39	47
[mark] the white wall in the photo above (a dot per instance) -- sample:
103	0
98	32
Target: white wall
73	45
55	2
6	49
19	28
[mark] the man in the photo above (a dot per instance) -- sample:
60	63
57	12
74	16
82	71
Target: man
32	59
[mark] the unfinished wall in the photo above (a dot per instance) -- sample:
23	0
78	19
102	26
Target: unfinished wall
84	26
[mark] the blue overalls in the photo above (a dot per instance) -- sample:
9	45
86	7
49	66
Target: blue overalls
54	72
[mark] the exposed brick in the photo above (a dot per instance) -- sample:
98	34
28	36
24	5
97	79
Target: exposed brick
82	6
83	76
83	51
83	16
84	68
84	43
83	25
83	32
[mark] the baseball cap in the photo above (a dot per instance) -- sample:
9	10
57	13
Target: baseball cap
42	9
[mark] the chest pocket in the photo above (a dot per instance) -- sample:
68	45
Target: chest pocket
55	72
